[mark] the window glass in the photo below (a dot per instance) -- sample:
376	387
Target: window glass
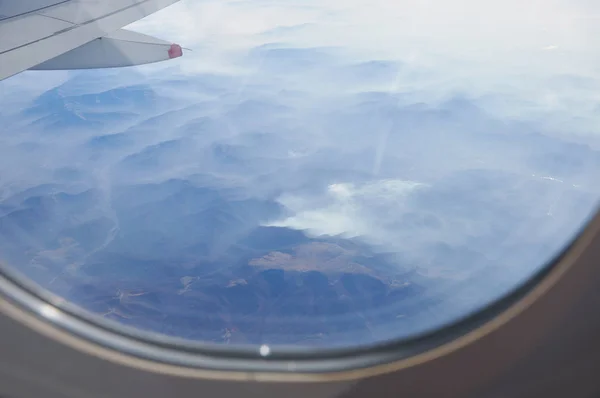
322	173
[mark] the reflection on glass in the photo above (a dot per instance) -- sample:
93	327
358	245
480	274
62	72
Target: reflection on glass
325	173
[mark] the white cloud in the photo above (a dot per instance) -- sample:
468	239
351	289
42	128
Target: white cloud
349	209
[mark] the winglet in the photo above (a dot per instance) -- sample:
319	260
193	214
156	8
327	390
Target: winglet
175	51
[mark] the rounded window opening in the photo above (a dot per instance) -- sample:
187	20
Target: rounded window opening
334	175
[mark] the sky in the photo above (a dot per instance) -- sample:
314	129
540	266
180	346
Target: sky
459	139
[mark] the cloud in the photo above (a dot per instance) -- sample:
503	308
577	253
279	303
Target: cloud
348	210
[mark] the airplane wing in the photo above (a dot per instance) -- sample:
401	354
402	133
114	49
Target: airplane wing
77	34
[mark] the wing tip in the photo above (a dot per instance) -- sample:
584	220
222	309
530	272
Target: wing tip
175	51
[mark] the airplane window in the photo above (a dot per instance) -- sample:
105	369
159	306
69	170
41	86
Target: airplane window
331	174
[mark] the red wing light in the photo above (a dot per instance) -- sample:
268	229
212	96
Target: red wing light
175	51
